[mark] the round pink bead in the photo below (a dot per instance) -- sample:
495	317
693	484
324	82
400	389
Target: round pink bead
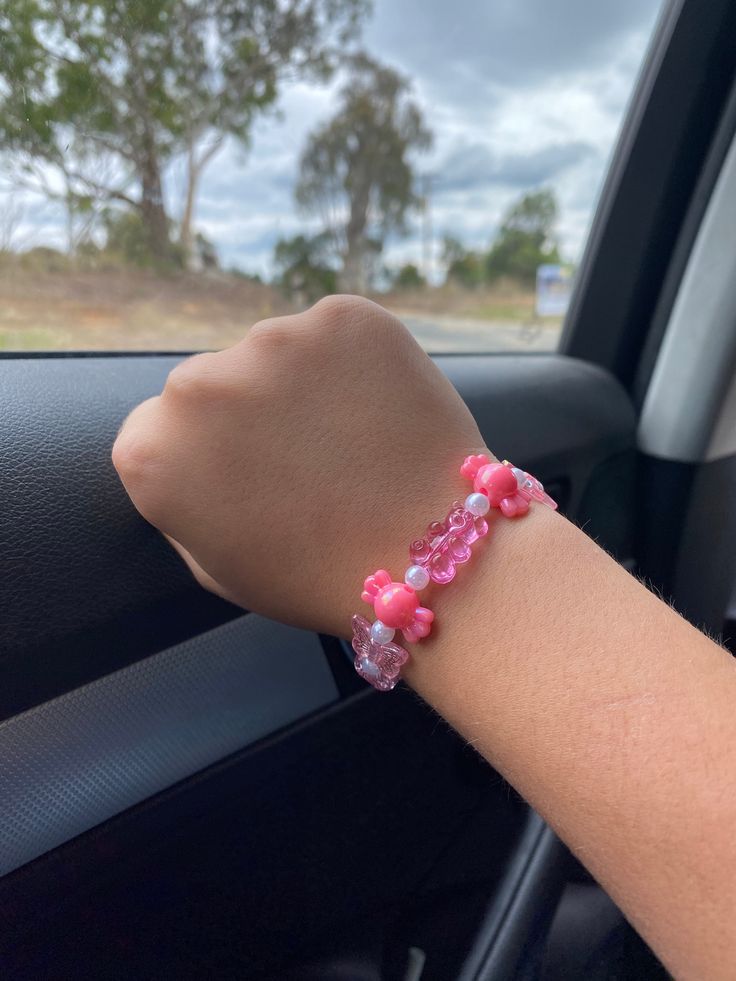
395	605
497	481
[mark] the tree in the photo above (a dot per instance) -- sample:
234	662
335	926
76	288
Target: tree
408	277
356	169
526	238
463	266
126	238
147	81
303	267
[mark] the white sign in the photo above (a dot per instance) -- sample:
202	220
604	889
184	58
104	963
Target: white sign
554	287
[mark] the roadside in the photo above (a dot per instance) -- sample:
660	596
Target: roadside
124	309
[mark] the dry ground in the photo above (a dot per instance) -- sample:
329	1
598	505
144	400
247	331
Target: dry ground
122	309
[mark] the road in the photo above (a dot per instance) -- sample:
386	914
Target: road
441	332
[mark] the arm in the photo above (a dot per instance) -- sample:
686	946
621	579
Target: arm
611	715
288	467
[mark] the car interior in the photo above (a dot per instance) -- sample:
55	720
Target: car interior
189	790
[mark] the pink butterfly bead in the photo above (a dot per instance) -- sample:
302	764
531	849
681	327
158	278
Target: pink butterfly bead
378	664
396	605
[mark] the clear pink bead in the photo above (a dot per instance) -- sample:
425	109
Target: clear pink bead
378	664
447	543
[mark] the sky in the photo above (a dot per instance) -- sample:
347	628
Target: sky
518	93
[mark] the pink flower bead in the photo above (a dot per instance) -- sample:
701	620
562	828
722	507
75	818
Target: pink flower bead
497	481
395	604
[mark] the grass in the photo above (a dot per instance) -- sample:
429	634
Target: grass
34	339
119	309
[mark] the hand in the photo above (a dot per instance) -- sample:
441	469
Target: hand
287	468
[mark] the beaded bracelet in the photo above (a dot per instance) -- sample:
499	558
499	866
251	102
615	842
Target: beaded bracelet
434	558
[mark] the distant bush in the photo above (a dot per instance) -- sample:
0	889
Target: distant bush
525	240
42	258
244	274
127	237
304	272
408	278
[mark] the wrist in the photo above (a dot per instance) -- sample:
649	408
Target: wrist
484	618
404	607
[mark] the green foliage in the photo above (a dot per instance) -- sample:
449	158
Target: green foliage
125	237
409	278
127	240
303	267
206	252
43	259
464	267
243	274
139	82
356	169
526	239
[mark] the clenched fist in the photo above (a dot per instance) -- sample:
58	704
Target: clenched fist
288	467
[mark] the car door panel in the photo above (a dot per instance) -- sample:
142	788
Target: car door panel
342	825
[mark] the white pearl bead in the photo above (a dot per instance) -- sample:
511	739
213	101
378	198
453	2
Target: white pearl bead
477	504
417	577
519	474
381	634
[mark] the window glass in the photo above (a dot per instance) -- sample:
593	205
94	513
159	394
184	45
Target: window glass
173	171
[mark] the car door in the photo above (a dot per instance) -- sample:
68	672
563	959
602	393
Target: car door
189	790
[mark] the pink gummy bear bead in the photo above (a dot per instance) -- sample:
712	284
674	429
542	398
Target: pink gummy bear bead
497	481
447	543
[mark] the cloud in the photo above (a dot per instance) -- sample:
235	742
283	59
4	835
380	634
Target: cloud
475	165
519	93
502	43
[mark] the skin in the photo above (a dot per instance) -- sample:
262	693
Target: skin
288	467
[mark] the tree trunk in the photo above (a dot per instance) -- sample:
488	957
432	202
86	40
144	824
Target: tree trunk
153	212
195	167
354	278
186	239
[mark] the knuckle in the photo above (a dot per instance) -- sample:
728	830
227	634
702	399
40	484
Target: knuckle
352	319
338	309
194	379
137	455
134	455
271	333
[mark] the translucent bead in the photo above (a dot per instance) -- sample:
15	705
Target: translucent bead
379	664
416	577
477	504
381	634
519	474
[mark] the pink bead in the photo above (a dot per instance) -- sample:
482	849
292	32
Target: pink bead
379	664
395	605
447	543
497	482
372	585
472	464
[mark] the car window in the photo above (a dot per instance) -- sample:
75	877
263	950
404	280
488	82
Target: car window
172	172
